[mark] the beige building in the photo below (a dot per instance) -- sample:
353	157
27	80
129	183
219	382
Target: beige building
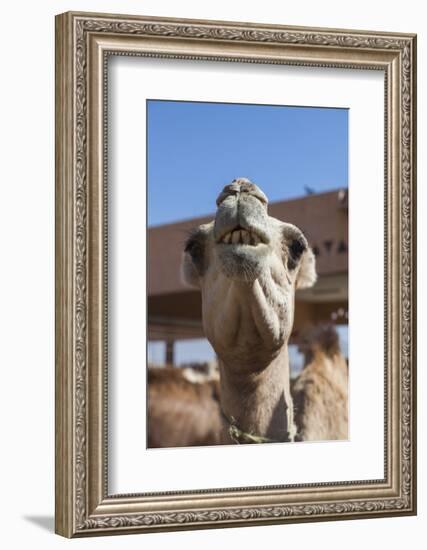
174	310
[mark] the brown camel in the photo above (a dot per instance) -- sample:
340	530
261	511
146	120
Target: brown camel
182	413
320	393
247	266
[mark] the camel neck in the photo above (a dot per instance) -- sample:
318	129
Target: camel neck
259	403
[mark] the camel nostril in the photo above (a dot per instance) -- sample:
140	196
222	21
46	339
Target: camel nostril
229	190
241	181
242	187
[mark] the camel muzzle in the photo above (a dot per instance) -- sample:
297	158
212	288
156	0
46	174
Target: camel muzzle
241	216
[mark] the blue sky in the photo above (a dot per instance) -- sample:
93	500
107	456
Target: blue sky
194	149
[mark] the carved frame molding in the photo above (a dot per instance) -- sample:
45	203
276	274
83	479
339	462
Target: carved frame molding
83	43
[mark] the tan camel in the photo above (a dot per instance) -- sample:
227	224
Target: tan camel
247	266
320	393
182	413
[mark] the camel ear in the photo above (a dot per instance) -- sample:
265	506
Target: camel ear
307	275
189	273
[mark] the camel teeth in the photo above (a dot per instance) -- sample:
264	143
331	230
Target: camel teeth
246	239
241	236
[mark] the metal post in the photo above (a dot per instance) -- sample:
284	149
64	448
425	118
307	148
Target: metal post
170	359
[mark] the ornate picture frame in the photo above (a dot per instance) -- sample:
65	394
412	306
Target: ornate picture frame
84	41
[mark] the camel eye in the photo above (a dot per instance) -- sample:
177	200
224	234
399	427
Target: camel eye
296	248
192	246
195	246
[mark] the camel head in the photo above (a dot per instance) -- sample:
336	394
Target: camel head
247	265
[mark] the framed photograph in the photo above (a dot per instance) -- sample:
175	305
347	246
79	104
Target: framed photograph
235	274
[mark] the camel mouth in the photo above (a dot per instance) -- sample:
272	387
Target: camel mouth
241	236
242	252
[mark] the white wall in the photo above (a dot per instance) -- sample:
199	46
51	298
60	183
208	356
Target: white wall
27	268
